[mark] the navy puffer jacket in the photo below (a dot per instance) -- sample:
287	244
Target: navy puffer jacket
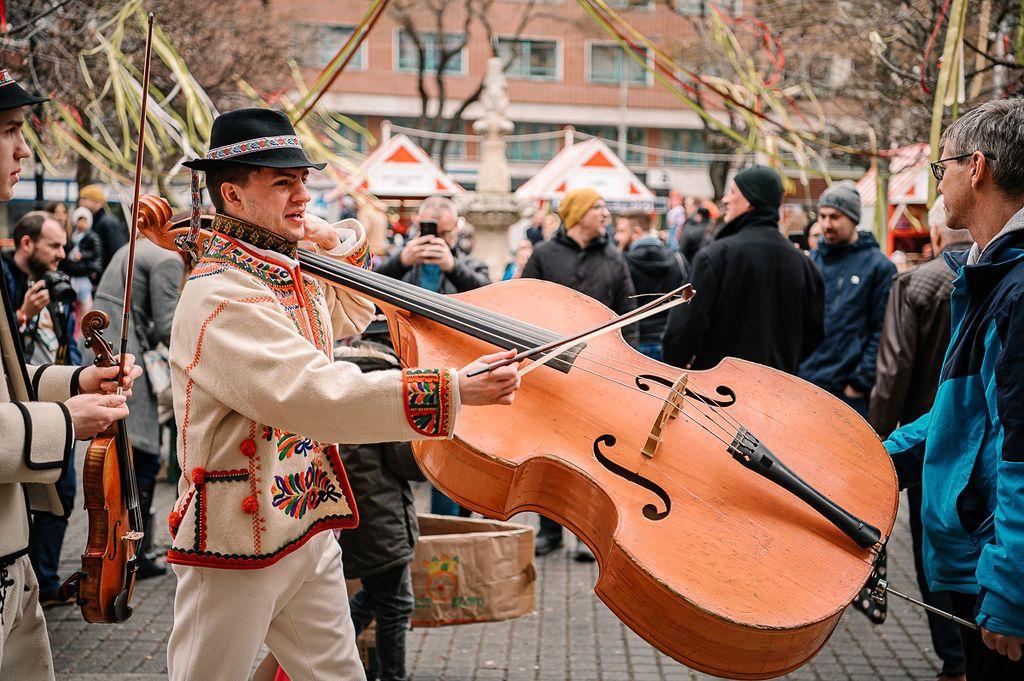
857	282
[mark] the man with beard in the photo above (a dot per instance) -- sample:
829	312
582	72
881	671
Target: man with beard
758	298
858	278
47	325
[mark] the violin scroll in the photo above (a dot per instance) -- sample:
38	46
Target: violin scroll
93	324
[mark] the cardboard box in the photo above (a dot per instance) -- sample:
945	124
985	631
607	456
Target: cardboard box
471	570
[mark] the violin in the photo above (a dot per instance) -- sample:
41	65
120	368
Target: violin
734	512
103	587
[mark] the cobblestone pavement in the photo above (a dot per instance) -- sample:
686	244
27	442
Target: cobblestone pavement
572	636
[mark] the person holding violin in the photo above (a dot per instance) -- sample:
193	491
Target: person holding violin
259	401
967	452
43	410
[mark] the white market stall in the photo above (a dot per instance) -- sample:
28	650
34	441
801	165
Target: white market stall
589	164
400	169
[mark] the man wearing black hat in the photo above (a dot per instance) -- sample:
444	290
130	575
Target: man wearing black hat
858	278
38	435
259	403
758	298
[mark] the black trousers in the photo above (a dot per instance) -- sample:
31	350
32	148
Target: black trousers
945	633
387	598
983	663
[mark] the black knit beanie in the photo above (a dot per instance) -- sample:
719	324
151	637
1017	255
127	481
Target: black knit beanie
760	185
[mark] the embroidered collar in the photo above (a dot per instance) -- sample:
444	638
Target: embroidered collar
256	236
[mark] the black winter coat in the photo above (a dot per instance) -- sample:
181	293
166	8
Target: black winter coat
111	232
758	298
654	269
858	278
379	475
469	273
91	263
598	271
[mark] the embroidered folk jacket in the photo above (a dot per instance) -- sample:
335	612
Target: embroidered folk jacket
36	438
260	404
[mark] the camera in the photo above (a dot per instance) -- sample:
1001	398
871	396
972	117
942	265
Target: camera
428	228
59	286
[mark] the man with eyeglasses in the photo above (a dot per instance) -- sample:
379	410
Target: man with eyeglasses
967	452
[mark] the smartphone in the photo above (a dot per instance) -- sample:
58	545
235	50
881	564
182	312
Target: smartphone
428	228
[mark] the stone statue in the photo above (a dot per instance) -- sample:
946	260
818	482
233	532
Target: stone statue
494	100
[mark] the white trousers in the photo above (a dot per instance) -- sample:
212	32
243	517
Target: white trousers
298	606
24	644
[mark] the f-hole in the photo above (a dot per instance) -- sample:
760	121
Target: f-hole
650	511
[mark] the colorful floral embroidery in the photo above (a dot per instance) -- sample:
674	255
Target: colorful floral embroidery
361	256
428	400
250	146
289	443
268	433
297	493
5	77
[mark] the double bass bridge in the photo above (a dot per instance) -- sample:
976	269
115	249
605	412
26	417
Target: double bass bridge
669	411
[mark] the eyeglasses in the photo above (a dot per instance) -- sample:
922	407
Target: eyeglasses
938	170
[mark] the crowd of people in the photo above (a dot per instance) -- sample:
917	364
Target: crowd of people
231	346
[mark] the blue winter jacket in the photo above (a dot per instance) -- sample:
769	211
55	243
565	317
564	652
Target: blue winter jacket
857	282
968	451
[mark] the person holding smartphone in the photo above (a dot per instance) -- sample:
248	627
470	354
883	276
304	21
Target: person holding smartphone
431	260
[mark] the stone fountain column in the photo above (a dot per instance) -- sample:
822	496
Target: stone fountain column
492	208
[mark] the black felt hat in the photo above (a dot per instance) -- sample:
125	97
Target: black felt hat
13	95
254	137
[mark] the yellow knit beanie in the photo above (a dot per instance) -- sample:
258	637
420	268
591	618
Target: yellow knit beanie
575	205
92	192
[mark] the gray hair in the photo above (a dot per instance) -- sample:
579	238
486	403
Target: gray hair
996	129
438	204
937	224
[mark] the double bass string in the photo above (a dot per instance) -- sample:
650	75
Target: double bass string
522	335
482	320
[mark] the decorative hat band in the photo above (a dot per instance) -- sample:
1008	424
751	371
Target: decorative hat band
250	146
222	153
5	77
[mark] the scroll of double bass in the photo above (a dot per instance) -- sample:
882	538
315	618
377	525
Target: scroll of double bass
103	587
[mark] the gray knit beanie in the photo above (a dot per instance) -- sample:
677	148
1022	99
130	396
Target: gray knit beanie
844	197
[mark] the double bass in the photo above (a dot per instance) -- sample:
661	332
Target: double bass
734	512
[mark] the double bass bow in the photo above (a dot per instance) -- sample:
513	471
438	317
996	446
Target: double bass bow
103	587
734	512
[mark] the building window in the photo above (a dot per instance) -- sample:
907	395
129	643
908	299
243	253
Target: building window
684	141
409	57
631	4
702	8
456	148
352	133
609	134
535	150
611	64
316	45
531	59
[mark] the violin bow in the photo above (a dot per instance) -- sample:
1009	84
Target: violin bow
134	227
556	347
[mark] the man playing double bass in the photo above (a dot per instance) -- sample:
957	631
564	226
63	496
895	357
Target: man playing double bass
38	435
259	403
